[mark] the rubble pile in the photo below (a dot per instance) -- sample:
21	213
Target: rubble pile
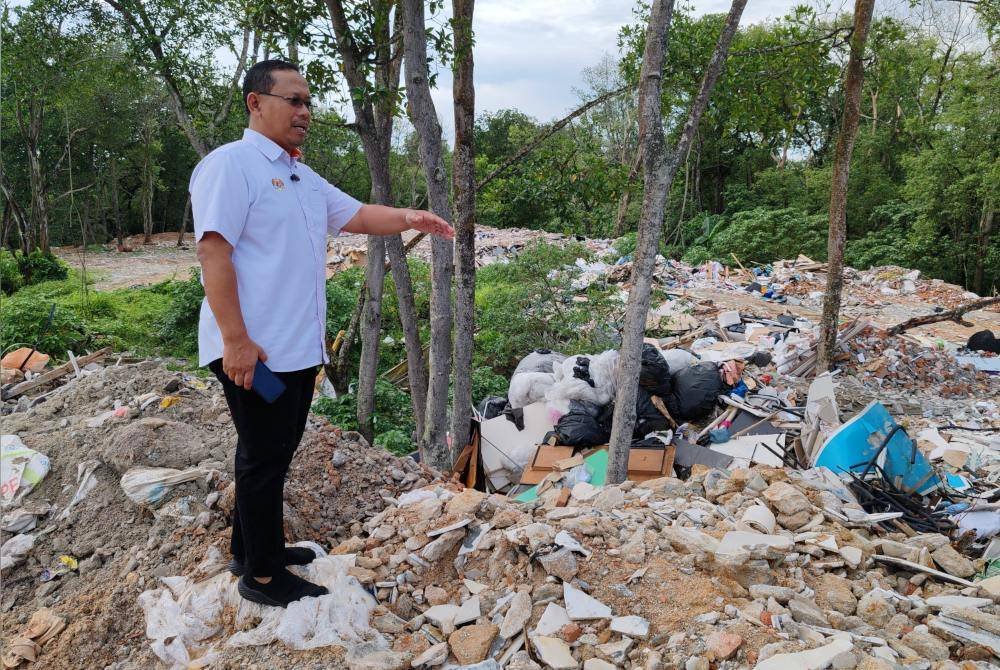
102	523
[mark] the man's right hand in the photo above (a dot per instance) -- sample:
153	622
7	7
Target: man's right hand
239	358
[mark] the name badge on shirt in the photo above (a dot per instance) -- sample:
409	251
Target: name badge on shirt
278	184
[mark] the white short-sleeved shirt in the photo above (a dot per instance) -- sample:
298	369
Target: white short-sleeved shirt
278	228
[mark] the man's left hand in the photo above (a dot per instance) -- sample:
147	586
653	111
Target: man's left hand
428	222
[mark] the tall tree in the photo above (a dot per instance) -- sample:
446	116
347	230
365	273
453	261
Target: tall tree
660	168
372	68
433	441
464	192
837	237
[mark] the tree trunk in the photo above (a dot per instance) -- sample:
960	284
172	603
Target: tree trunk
837	236
39	197
184	221
114	203
16	213
374	127
660	170
433	440
146	199
985	228
464	190
416	366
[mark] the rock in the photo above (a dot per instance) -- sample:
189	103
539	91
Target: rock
470	610
835	593
875	610
940	602
581	606
991	585
598	664
488	664
633	626
609	498
852	556
756	545
928	646
472	643
786	499
553	619
794	521
697	663
436	550
634	551
554	653
571	632
953	562
435	595
367	656
465	503
871	663
722	644
806	611
616	651
764	591
442	616
388	623
435	655
561	564
814	659
846	660
517	616
522	661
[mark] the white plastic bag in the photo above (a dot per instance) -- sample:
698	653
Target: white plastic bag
527	388
21	469
601	369
15	549
149	486
87	480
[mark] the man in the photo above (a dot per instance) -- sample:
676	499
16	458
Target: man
261	221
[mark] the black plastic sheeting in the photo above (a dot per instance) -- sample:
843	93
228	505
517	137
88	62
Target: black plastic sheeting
492	407
984	340
585	425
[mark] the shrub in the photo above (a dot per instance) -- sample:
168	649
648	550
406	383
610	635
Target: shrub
38	267
10	274
765	235
486	383
393	410
179	327
396	442
23	316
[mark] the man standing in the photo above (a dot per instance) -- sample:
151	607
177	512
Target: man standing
261	220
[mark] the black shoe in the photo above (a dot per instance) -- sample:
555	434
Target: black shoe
293	556
283	589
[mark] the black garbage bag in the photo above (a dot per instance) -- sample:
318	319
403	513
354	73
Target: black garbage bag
654	375
984	340
648	418
585	425
696	388
492	407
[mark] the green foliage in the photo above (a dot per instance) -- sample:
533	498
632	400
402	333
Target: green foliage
625	244
10	273
486	383
179	324
22	321
395	441
519	307
765	235
392	412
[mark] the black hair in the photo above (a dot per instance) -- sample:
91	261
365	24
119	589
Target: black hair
259	80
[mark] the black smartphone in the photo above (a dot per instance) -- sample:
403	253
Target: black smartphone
267	384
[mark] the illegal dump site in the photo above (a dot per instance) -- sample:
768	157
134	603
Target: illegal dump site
771	518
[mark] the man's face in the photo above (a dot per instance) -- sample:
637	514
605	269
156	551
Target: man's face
281	116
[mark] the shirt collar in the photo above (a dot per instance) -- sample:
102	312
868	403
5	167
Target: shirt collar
269	148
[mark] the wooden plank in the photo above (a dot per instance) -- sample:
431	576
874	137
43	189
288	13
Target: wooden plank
52	375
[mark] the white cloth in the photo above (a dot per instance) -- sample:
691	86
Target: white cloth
278	228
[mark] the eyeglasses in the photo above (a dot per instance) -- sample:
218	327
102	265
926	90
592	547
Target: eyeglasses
294	101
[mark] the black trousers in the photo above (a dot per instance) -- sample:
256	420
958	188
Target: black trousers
268	435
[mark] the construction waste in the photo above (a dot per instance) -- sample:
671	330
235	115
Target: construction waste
771	519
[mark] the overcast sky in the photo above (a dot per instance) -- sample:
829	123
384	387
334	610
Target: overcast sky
529	54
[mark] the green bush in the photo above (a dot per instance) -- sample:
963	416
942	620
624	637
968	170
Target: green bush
10	274
766	235
486	383
38	267
23	316
396	442
179	325
393	410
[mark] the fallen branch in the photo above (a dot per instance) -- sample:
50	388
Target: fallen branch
950	315
52	375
